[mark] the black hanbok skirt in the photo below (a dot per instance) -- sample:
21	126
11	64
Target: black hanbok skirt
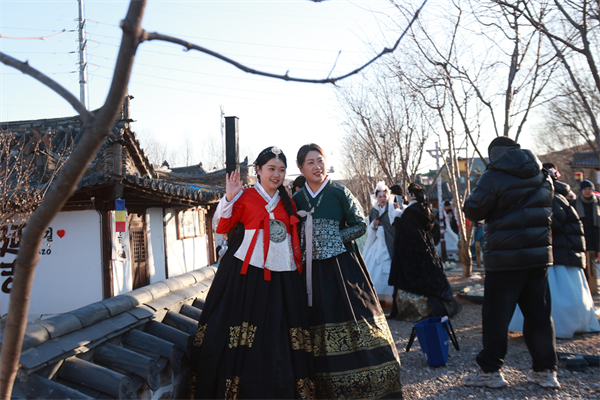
355	353
253	339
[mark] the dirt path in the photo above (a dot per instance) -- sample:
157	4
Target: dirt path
421	381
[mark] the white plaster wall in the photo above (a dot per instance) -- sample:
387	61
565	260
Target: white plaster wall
156	244
69	273
183	255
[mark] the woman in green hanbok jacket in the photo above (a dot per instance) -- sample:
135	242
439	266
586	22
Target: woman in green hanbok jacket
355	354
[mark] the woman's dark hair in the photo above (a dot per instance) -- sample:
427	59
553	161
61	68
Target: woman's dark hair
397	190
418	193
298	183
304	151
268	154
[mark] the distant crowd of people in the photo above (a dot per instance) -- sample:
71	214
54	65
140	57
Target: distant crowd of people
540	246
295	311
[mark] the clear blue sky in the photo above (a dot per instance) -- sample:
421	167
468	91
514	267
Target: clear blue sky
178	94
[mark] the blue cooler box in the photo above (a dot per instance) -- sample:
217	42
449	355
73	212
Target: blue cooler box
433	335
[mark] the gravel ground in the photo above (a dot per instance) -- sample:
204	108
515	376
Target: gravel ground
421	381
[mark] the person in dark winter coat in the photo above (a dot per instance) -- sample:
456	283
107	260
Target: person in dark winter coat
514	196
568	241
572	304
588	208
416	266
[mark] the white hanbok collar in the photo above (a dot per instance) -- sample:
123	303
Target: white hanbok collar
410	203
320	189
271	201
380	209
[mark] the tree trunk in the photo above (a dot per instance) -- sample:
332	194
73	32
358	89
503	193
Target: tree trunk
59	193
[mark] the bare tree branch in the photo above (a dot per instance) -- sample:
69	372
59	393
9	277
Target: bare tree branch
190	46
96	131
33	38
25	68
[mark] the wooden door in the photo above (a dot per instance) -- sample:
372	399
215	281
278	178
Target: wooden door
139	249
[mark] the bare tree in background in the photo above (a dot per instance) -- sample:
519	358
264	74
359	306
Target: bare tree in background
97	127
156	150
573	29
29	162
360	170
386	127
484	57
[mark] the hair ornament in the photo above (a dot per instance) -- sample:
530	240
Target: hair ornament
277	151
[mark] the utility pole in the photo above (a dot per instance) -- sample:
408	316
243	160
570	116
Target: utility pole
223	144
83	89
437	154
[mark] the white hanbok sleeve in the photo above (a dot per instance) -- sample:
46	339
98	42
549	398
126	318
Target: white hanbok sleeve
224	209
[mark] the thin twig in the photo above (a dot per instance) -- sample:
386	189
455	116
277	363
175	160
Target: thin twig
335	63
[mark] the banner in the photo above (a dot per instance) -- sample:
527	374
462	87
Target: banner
120	215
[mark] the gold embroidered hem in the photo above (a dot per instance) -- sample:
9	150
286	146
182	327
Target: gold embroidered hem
232	388
300	339
347	337
241	335
305	389
199	336
362	383
192	385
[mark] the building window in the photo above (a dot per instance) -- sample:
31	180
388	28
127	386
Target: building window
191	223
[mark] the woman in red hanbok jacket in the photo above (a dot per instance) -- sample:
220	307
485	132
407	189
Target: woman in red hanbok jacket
253	338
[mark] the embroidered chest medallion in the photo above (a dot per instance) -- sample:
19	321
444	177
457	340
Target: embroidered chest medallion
278	231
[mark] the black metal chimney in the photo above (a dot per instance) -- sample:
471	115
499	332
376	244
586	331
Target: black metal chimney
232	150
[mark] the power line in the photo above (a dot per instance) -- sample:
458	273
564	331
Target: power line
273	14
187	82
171	46
208	93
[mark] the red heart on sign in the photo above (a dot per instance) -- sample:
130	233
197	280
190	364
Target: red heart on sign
60	233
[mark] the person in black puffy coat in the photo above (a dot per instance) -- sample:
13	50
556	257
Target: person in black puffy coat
568	241
588	209
514	196
572	304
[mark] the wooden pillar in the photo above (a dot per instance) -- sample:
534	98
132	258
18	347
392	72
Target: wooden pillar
212	254
590	272
107	267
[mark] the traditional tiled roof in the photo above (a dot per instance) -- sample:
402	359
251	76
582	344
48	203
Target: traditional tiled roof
433	195
586	159
51	139
97	350
193	175
198	193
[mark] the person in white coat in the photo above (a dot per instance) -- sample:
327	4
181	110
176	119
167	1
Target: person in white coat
380	240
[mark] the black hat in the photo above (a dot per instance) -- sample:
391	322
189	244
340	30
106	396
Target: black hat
501	145
586	184
397	190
